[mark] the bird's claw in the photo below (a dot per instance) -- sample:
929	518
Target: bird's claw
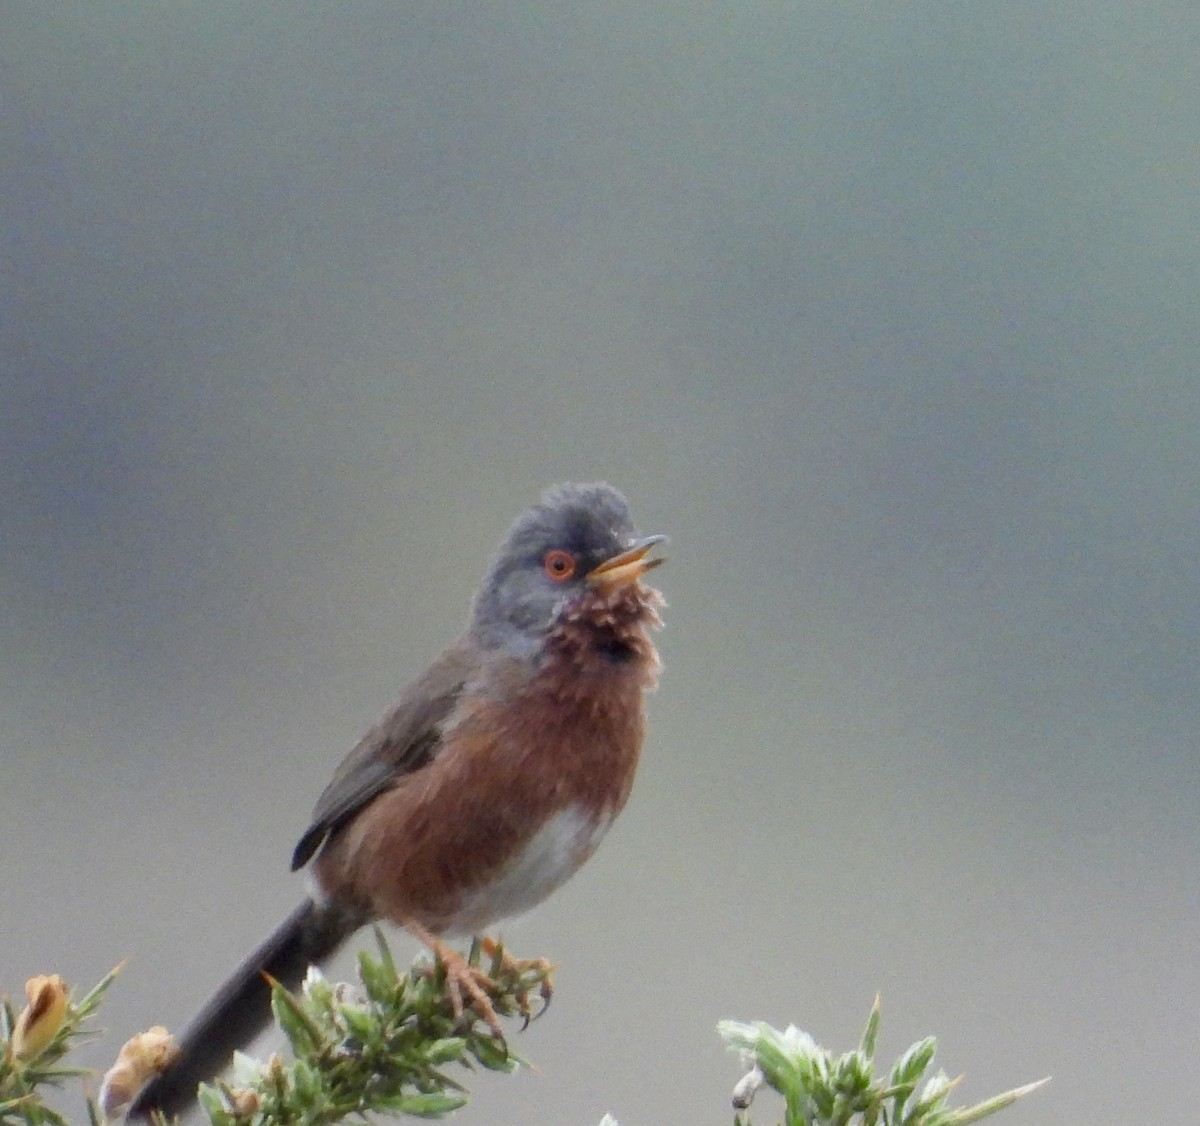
465	984
518	969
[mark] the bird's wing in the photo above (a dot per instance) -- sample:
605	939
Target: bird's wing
405	740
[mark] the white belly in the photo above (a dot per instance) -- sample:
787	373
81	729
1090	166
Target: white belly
551	857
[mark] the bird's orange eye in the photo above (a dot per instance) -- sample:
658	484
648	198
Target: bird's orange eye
559	565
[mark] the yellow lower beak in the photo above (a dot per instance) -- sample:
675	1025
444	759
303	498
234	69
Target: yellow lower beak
628	566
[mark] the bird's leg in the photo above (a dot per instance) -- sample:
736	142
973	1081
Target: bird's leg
518	967
461	977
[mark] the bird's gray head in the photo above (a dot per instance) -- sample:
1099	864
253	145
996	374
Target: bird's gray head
576	539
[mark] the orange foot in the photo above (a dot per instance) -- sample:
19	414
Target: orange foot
518	968
462	978
467	981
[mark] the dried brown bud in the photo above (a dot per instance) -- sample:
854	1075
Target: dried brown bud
140	1059
243	1103
275	1071
41	1019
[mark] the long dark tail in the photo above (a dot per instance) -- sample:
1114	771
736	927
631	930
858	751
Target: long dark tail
241	1008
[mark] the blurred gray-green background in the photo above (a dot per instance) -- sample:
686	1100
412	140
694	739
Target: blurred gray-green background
887	313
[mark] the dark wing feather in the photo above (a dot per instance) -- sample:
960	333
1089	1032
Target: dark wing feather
405	740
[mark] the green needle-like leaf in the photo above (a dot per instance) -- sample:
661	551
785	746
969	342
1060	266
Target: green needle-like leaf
965	1115
871	1032
909	1068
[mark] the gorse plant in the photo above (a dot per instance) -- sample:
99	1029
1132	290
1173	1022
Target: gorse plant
382	1045
33	1044
822	1089
390	1044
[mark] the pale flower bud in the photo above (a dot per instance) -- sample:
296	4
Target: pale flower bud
41	1019
140	1059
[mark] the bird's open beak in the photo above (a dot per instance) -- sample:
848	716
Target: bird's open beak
628	566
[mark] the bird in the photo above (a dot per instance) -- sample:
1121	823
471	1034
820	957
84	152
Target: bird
486	785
